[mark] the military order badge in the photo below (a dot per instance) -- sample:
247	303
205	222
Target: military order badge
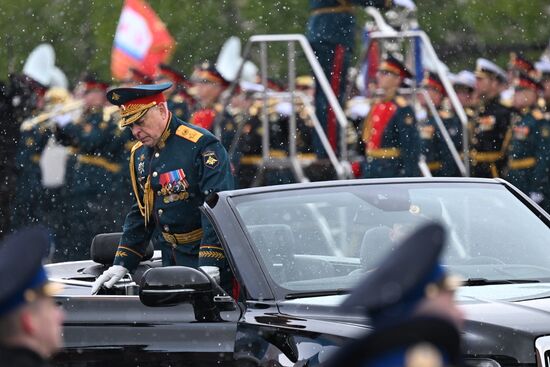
174	186
210	159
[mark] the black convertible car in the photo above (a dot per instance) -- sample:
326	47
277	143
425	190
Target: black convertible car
295	251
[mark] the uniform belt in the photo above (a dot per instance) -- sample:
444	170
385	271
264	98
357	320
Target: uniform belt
93	160
35	158
384	153
333	9
434	166
485	156
182	238
278	154
523	163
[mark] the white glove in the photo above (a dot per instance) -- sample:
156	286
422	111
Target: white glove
63	120
407	4
537	197
109	277
212	271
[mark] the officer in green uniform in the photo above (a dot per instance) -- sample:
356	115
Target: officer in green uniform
411	307
390	132
331	33
178	98
438	155
174	168
527	152
91	180
489	128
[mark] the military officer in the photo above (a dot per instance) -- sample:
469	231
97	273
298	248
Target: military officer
528	149
464	84
174	168
390	133
91	180
331	33
209	84
438	155
30	320
178	98
411	307
489	138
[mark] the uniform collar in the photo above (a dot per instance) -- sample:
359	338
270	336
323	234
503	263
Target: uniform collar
168	131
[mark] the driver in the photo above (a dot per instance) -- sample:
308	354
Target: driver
174	168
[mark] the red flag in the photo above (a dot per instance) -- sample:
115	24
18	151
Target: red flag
141	41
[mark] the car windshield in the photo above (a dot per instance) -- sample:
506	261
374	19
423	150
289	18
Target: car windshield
328	238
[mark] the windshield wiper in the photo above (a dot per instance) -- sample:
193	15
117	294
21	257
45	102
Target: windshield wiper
484	281
333	292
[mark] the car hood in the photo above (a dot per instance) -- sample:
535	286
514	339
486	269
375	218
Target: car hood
502	320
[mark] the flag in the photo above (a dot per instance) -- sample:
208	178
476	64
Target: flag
141	41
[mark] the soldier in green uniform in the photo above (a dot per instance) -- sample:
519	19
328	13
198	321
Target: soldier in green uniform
178	98
91	180
438	155
390	132
331	33
174	168
489	128
527	152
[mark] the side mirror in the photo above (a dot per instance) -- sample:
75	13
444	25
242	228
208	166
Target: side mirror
173	285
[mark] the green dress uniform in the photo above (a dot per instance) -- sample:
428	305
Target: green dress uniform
331	33
170	182
26	207
438	155
392	144
90	184
527	152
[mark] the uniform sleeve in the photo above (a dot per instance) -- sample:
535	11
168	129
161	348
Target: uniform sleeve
87	136
135	237
409	142
215	175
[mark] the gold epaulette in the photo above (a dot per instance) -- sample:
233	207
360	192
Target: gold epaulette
188	133
401	101
537	114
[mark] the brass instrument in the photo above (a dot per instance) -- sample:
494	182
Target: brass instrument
56	110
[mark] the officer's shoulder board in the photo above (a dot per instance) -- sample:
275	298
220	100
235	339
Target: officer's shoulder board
188	133
401	101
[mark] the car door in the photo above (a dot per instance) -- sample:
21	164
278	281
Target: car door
102	330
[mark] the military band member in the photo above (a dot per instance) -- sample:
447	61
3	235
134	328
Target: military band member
174	167
92	174
433	146
489	138
527	149
464	84
331	33
390	132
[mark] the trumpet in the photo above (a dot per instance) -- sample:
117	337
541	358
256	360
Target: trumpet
56	110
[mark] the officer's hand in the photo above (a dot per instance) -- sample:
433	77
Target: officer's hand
407	4
63	120
109	277
212	271
537	197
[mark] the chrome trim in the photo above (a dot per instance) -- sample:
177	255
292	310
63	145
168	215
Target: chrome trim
542	345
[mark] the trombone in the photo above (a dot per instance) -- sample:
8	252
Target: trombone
56	110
